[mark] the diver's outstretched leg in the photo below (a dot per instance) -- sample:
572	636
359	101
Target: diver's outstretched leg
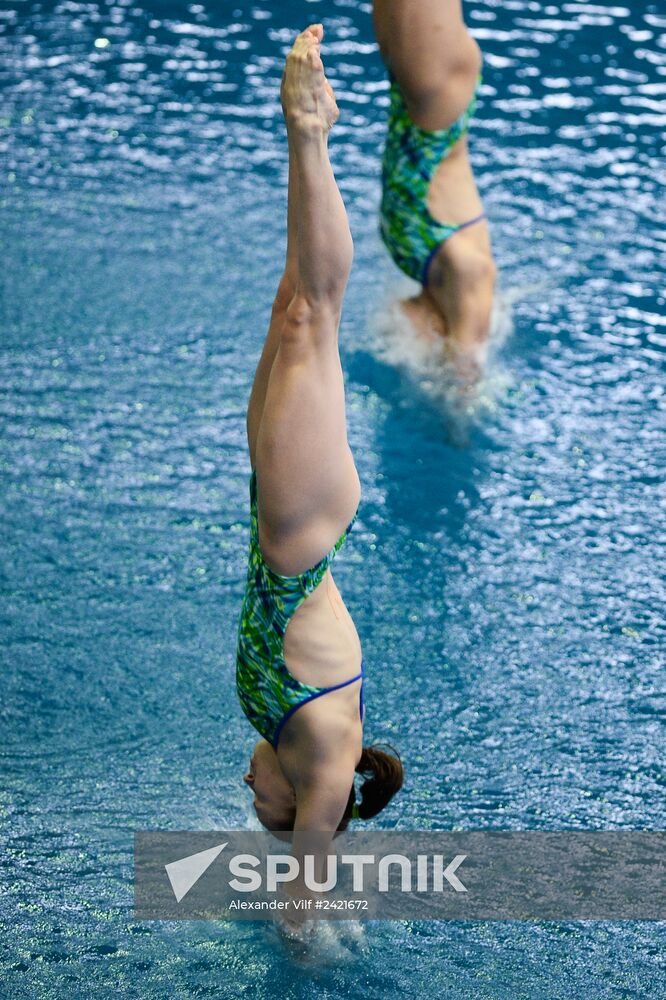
308	488
285	293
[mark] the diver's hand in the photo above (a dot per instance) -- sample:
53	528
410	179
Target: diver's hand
301	909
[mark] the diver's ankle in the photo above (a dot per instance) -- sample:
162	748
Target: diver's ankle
305	129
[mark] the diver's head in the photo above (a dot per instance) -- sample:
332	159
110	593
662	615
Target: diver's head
275	798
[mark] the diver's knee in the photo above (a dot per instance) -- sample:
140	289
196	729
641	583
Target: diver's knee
463	61
286	291
307	321
301	309
299	317
431	86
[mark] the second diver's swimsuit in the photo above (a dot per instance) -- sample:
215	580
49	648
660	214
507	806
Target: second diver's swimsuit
411	157
269	694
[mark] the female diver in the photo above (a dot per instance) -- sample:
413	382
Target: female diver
299	672
432	219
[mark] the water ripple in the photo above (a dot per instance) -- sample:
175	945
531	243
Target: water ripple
504	575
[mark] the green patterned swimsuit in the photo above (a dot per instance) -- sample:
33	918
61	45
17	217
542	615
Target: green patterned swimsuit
269	694
411	157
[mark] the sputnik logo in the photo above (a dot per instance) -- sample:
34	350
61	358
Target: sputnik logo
186	872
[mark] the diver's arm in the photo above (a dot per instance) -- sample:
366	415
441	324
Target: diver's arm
322	795
321	770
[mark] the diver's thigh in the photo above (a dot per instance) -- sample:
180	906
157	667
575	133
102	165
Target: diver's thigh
308	485
432	55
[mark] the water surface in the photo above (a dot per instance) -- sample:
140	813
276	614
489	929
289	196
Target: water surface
506	588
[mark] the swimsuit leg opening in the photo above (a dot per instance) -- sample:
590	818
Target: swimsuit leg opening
428	262
433	252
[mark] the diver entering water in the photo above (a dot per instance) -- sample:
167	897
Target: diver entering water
432	219
299	672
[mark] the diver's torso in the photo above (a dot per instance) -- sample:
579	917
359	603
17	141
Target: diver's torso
321	645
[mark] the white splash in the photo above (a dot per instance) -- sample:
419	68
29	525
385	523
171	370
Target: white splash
321	942
425	363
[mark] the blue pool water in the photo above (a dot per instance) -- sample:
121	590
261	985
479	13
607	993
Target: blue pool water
505	582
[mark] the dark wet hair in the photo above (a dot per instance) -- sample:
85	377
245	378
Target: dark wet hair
383	776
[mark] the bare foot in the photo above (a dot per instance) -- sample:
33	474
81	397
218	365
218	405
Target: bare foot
308	101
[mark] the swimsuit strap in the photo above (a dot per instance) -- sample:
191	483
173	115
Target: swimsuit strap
317	693
454	227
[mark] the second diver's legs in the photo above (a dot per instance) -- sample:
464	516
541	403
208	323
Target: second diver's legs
435	60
